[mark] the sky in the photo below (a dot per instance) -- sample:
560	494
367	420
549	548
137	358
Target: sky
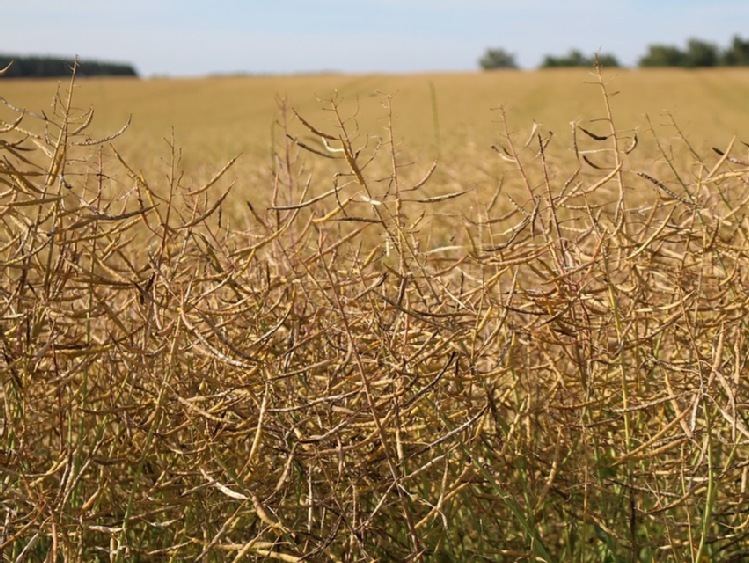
199	37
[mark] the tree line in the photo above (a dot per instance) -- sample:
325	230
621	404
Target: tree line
698	54
54	67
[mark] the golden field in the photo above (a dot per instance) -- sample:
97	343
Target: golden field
336	350
450	118
239	111
217	118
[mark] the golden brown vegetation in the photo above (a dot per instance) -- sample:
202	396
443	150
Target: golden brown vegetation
396	364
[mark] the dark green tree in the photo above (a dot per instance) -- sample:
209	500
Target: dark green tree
497	58
608	60
576	59
573	58
701	54
737	54
47	67
663	55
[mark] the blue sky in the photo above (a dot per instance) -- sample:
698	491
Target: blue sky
193	37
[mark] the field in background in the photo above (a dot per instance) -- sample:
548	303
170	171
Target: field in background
214	119
452	118
334	350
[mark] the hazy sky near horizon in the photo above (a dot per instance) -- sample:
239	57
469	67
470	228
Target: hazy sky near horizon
194	37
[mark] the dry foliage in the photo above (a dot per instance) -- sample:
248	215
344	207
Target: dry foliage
564	378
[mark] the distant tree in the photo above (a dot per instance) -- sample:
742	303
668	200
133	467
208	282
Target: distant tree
573	58
497	58
737	54
576	59
701	54
46	67
608	60
663	55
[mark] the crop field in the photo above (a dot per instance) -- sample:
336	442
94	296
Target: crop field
469	317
